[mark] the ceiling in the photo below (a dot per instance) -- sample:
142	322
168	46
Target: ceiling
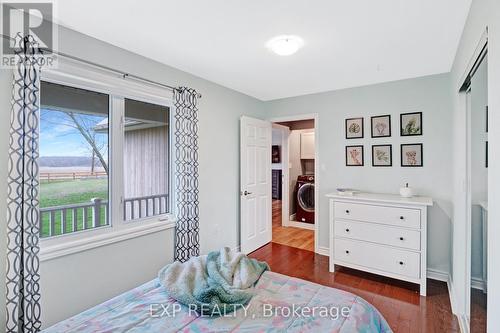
348	43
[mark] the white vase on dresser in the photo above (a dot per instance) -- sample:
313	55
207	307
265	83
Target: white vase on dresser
380	233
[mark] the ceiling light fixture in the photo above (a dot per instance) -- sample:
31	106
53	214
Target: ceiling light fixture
285	45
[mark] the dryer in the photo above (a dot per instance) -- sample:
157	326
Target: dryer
304	198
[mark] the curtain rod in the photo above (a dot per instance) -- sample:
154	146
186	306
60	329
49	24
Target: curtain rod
121	73
125	75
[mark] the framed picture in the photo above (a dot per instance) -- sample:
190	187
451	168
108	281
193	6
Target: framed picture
382	155
411	124
354	128
381	126
275	154
354	156
412	155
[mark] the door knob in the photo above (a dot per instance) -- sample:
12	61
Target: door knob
247	193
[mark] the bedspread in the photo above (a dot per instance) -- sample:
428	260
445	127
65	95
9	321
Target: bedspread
281	304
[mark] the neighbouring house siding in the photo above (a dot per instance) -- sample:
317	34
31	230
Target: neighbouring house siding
146	162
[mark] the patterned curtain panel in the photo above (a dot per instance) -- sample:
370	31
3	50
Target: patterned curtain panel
23	288
186	173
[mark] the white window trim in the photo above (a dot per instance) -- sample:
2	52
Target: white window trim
80	75
94	240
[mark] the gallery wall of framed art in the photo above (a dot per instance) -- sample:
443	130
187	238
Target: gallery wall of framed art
411	153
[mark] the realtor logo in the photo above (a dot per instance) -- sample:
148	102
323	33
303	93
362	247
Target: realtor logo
23	19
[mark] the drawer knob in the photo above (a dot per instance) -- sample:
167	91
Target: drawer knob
347	230
401	238
347	211
401	217
347	251
401	263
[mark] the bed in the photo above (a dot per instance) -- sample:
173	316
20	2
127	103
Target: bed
147	308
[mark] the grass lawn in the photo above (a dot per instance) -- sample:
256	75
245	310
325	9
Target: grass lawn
68	192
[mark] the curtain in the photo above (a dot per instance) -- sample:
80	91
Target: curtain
186	173
22	271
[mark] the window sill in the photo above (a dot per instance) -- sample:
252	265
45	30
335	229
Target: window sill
90	242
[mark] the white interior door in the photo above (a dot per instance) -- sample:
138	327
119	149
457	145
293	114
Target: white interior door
255	184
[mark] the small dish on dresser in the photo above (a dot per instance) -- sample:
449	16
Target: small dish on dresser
348	192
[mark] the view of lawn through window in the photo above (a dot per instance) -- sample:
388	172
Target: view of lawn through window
73	160
74	166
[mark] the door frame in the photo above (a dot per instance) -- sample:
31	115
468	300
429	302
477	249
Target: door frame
285	172
307	116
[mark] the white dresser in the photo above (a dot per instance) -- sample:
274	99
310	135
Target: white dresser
381	234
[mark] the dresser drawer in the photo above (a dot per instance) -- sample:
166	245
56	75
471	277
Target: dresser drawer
377	233
403	217
378	257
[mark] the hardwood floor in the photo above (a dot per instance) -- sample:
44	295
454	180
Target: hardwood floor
399	302
295	237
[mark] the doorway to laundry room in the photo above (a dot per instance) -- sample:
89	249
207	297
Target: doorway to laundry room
294	182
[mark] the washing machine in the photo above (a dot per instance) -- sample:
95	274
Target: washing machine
304	199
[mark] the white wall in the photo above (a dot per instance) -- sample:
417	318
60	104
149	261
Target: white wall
483	14
90	277
74	283
427	94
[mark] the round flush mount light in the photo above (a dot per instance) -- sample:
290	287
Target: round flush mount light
285	45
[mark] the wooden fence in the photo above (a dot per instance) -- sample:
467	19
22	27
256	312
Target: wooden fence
52	176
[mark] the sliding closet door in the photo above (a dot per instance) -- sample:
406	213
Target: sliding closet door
478	141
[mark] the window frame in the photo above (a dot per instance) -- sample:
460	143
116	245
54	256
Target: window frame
84	76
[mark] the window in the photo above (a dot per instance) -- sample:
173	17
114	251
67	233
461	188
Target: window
145	160
105	166
74	163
